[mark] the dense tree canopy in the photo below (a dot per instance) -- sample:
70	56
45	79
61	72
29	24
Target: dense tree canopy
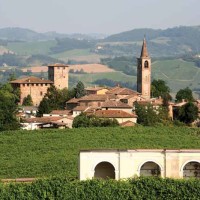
150	116
54	99
27	101
159	89
188	113
79	90
185	94
83	120
8	108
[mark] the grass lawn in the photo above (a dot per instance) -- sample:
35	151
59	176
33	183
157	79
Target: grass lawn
45	153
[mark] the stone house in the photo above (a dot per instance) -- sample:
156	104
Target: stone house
120	115
96	90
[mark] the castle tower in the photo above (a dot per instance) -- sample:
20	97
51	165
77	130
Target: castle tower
58	73
144	72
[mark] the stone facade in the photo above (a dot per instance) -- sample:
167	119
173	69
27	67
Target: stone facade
120	164
58	74
36	90
144	72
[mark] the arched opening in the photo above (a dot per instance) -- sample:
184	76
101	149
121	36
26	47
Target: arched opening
104	170
150	169
191	170
146	64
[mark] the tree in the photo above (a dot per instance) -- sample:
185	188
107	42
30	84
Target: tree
150	116
160	89
8	108
188	113
83	120
54	99
27	101
184	94
44	107
80	90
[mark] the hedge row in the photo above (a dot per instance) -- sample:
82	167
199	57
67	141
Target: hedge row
138	188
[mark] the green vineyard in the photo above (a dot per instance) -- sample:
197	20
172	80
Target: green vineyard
46	153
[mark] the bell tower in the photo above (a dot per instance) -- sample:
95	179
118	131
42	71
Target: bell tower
144	72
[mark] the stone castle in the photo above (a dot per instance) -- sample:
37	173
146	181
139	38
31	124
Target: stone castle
37	87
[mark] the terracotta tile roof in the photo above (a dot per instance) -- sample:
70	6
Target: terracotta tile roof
114	114
97	97
31	79
122	91
29	108
59	112
73	100
127	123
42	119
115	104
58	65
80	108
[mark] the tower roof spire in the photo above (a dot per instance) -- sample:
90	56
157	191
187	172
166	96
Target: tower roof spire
144	52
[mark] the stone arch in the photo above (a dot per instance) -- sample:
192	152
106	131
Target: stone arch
104	170
150	168
191	169
146	64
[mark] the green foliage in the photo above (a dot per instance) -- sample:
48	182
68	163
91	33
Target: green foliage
83	120
46	153
8	108
159	88
54	99
79	90
137	188
150	116
66	44
188	113
27	101
185	94
124	64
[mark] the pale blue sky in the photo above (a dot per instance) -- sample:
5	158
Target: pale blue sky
97	16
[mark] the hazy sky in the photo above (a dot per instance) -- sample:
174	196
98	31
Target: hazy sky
97	16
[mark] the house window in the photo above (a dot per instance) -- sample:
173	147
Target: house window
41	93
37	84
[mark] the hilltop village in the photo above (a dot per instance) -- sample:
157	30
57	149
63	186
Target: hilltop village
103	102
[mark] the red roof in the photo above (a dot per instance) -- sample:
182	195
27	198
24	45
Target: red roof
31	79
42	119
60	112
114	114
73	100
122	91
127	123
97	97
115	104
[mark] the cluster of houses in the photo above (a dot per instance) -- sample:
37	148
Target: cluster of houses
113	103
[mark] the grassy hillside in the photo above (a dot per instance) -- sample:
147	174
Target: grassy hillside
30	48
177	73
55	152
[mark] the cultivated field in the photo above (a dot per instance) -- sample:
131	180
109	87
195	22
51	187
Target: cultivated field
48	153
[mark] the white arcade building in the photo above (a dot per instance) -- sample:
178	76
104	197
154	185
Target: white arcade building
119	164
